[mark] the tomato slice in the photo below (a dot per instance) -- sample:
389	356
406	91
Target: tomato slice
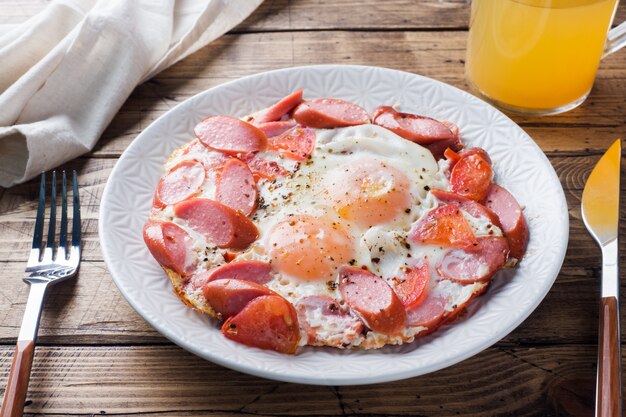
296	143
411	288
478	151
471	207
266	322
471	177
451	155
262	168
445	226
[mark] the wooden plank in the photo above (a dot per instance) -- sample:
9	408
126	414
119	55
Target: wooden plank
365	15
20	202
354	14
275	15
573	140
431	53
282	15
438	55
86	310
545	380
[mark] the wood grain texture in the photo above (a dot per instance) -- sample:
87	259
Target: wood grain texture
100	357
282	15
609	392
512	381
288	15
17	381
87	310
434	54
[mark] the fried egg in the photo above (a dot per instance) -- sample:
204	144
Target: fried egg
319	223
353	201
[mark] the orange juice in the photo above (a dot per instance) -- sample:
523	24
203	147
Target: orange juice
536	56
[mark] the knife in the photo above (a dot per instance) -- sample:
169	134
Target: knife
600	210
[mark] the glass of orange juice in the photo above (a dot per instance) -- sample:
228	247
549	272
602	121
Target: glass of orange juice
539	57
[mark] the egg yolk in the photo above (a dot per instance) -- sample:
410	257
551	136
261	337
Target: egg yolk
309	247
369	192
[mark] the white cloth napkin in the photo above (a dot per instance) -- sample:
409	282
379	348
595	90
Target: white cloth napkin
66	72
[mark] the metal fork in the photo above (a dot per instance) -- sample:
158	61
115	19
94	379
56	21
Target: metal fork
45	267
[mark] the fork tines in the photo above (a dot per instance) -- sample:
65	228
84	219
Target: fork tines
62	252
42	271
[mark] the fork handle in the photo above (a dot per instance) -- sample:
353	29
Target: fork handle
15	396
17	385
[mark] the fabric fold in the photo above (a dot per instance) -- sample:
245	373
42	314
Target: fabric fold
67	71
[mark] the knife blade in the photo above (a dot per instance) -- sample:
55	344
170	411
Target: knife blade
600	211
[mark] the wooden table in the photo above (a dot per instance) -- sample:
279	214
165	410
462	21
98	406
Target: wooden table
97	356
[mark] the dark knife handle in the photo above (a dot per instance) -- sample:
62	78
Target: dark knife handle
609	388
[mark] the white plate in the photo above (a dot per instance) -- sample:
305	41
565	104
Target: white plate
519	164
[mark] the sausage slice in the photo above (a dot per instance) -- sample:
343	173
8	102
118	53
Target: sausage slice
419	129
183	181
429	313
373	299
236	187
278	110
328	113
475	263
508	210
229	296
253	271
230	135
277	128
220	224
470	206
170	246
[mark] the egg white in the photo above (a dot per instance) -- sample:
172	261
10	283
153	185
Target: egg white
383	248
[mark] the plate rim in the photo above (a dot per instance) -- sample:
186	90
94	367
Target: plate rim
330	380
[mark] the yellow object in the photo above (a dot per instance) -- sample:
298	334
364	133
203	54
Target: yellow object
600	203
536	54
